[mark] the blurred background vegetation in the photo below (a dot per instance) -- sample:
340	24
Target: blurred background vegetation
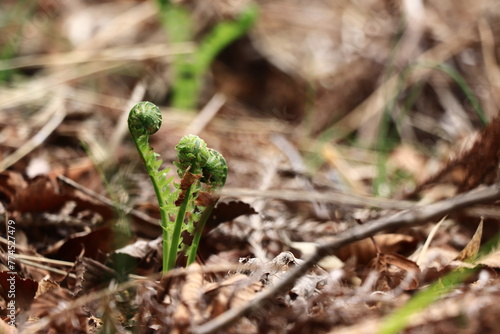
373	94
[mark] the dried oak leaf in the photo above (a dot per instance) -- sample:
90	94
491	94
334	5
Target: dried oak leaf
396	270
227	211
365	250
40	195
10	183
55	306
14	287
93	244
43	194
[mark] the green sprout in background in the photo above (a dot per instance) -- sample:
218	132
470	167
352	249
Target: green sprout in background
186	206
188	71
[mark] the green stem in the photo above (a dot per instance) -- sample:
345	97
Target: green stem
179	221
197	234
161	204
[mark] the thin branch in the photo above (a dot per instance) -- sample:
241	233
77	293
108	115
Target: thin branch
206	114
321	197
406	218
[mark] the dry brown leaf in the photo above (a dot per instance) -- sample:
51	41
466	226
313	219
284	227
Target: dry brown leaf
91	274
220	301
45	285
470	251
242	294
192	291
51	306
24	196
181	319
28	199
401	262
227	211
94	243
21	290
305	286
140	248
206	198
423	251
10	183
396	270
408	266
233	291
364	250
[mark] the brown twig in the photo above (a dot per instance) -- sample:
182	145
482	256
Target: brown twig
405	218
206	114
336	197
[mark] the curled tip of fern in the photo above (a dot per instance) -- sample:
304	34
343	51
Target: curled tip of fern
193	154
144	119
215	169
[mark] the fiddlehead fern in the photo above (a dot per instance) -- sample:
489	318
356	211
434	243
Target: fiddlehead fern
196	164
145	119
215	170
195	156
192	152
209	166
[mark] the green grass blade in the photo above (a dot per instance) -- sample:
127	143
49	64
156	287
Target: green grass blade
399	320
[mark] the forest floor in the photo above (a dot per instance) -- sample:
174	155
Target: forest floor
362	144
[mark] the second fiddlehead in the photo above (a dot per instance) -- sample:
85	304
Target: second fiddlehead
203	165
